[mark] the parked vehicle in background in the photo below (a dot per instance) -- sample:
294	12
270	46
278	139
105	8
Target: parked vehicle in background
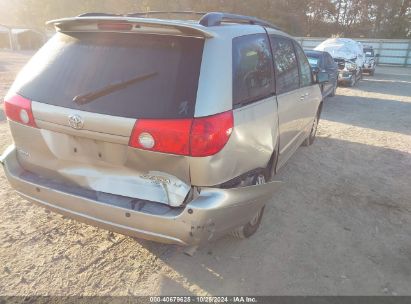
323	62
128	123
370	60
349	56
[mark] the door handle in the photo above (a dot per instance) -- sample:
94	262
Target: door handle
302	97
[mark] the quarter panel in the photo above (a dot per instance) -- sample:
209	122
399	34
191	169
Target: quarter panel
214	94
250	146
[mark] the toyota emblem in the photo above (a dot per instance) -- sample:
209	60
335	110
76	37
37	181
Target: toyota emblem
75	121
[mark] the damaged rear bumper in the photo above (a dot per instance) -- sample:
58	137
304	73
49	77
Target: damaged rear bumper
213	213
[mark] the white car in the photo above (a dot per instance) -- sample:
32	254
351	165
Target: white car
349	55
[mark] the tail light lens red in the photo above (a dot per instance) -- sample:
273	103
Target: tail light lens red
210	134
18	109
168	136
197	137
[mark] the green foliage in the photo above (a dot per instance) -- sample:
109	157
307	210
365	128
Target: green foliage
354	18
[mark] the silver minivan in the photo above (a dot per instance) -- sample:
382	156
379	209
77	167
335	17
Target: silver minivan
167	130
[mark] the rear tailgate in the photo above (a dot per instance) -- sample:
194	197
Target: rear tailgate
88	144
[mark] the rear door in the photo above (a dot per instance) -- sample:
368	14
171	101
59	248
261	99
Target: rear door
289	95
309	89
88	90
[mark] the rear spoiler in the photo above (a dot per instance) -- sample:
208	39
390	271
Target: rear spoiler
139	25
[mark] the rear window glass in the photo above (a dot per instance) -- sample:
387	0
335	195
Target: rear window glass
79	63
252	69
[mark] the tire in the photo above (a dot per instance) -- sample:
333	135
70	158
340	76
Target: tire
250	228
372	72
310	139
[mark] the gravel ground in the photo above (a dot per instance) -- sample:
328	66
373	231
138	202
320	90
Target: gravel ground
340	226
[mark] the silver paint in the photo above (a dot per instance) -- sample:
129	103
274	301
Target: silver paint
213	213
102	165
97	156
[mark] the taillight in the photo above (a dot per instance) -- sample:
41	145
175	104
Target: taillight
162	135
197	137
18	109
210	134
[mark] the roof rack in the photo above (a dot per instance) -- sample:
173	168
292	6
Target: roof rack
149	13
215	19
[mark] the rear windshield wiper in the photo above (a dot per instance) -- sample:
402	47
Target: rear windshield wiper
110	88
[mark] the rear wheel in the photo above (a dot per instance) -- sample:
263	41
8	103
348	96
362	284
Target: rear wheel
251	227
372	72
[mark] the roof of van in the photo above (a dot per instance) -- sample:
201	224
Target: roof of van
186	27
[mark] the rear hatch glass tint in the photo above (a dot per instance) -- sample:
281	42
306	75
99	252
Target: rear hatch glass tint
74	64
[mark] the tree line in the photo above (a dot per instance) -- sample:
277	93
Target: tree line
344	18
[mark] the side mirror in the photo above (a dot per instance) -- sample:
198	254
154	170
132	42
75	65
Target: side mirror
322	77
315	70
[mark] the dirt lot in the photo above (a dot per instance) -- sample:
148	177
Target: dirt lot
341	225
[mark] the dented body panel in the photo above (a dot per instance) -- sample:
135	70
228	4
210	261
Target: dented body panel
248	138
203	219
102	165
98	157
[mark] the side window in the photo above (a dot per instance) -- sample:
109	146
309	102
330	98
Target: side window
328	63
252	69
305	69
331	62
285	63
323	62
